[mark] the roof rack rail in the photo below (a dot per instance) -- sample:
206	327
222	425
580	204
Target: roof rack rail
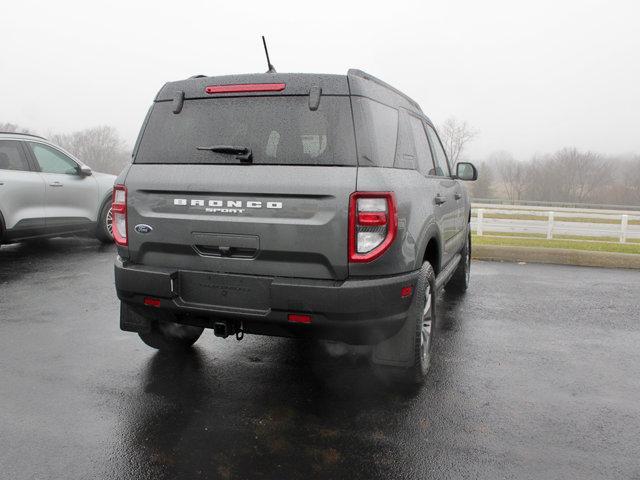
23	133
366	76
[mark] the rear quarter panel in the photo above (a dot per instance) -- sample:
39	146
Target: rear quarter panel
105	184
416	221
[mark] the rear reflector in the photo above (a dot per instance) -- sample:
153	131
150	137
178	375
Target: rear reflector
152	302
406	292
245	87
297	318
372	219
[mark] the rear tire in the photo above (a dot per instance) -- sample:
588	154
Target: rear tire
1	229
460	280
171	336
104	231
423	313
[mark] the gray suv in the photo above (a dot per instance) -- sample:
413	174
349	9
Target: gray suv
45	191
295	205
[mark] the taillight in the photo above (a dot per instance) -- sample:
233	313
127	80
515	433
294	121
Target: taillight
119	215
373	224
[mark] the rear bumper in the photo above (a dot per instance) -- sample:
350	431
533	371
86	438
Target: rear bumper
359	311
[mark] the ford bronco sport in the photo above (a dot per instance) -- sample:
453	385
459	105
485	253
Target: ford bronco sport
296	205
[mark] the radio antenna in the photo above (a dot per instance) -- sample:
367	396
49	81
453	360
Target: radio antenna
266	52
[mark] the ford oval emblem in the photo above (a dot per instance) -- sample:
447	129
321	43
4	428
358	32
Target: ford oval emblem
143	228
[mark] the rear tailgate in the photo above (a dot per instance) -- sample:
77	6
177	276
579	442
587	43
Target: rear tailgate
274	220
279	209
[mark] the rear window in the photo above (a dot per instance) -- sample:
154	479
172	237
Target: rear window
279	130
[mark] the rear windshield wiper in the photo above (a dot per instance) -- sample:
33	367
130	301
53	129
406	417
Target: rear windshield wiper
243	154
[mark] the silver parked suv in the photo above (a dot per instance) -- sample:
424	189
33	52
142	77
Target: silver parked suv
45	192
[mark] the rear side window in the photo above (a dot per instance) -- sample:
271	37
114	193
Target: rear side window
279	130
442	167
376	132
425	160
11	157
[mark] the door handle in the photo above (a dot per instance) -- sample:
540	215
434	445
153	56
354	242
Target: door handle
55	184
439	200
458	196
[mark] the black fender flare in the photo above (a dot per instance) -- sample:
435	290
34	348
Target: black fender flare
2	226
430	232
398	350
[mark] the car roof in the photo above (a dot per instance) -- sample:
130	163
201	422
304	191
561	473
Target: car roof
20	135
355	82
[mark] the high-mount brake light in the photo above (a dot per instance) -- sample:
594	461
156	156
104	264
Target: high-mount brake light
245	87
373	224
119	215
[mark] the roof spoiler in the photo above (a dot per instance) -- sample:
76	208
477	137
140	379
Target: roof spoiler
354	72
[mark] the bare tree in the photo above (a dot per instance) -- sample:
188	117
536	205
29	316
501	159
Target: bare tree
455	136
12	127
631	181
100	147
483	186
584	174
512	174
570	176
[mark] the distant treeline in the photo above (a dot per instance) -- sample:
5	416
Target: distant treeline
568	175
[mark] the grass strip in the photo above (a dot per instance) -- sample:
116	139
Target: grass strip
596	246
557	236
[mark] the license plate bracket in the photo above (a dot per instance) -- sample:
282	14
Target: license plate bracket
225	291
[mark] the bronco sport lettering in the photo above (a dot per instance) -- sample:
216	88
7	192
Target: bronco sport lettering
228	203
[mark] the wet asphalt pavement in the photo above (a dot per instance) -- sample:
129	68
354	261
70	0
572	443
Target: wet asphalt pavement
537	375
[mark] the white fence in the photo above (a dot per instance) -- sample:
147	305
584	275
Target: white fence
559	221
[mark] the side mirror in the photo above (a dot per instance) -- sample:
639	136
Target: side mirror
466	171
84	171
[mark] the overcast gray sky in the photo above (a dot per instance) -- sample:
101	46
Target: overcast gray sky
530	76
